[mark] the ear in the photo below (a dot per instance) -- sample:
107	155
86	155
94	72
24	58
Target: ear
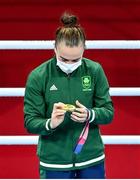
55	50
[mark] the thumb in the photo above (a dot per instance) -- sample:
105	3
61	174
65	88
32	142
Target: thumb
58	105
79	104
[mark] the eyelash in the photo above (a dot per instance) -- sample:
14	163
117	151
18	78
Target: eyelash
65	60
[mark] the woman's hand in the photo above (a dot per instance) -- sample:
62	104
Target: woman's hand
80	114
58	115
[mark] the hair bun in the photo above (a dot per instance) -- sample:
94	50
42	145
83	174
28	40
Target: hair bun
69	20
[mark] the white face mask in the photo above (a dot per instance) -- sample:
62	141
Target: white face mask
68	68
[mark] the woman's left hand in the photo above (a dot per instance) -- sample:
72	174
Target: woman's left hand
80	114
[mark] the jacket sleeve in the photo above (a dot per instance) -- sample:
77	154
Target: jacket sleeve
103	111
34	107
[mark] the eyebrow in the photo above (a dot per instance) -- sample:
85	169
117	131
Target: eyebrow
69	59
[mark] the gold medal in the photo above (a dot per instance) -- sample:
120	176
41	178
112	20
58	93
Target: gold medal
69	107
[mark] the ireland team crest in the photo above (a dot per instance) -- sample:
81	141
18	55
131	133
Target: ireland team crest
86	82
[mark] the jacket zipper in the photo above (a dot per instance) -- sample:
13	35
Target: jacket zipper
69	87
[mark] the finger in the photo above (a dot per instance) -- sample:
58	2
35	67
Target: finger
81	110
76	118
59	110
81	115
55	106
79	104
59	105
59	114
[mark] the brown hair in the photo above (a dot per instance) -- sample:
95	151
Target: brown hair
71	32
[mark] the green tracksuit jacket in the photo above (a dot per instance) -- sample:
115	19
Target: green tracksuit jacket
48	84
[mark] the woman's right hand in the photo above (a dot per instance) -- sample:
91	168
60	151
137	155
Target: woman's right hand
58	115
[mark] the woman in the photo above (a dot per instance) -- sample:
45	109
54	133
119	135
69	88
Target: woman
66	99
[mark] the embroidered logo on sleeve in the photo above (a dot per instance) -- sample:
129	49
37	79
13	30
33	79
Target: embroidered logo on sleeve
86	83
53	88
